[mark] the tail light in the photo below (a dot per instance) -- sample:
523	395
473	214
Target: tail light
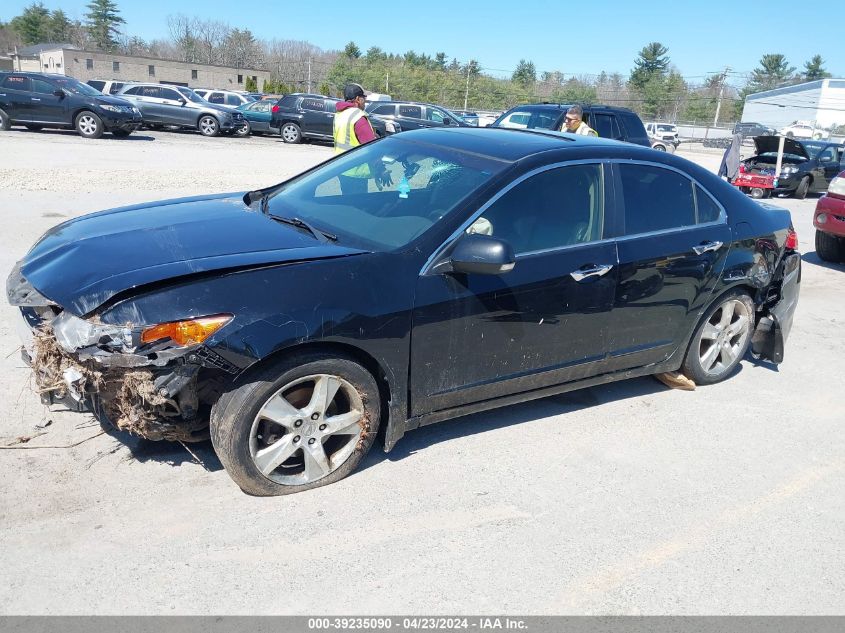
275	108
792	239
742	169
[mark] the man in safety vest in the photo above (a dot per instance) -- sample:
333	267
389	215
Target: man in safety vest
574	122
351	125
351	129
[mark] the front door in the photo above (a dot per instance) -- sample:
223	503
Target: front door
477	337
47	107
174	108
673	243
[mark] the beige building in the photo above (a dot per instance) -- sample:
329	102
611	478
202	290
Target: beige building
85	65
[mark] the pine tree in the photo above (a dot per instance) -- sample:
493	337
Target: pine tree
103	20
814	69
33	25
652	62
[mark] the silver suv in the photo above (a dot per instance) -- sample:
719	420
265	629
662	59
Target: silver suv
225	97
180	106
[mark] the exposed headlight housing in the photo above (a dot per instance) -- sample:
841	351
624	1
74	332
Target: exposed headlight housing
837	187
111	108
188	332
788	170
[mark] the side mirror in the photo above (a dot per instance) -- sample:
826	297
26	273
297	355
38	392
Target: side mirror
478	255
58	92
183	100
447	121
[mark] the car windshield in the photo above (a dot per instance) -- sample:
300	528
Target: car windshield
813	149
71	85
665	128
385	194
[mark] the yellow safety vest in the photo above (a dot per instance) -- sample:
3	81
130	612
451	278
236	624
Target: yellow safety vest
345	139
344	129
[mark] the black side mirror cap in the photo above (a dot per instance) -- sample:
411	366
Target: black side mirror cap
58	92
478	255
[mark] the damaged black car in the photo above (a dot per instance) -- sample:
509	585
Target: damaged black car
411	280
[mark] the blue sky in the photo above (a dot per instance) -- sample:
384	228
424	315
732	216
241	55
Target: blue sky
702	37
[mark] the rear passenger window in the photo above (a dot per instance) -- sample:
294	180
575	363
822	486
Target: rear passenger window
606	125
233	100
412	112
708	210
656	199
215	97
313	104
97	85
151	91
14	82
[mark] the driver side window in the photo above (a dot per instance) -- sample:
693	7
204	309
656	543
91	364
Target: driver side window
558	207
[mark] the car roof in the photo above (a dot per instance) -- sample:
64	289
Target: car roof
565	106
514	144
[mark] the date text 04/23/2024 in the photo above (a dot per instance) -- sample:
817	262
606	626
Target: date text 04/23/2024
417	624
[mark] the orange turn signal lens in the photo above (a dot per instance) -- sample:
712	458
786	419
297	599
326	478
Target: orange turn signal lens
188	332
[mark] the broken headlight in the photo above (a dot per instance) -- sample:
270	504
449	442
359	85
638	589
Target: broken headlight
73	333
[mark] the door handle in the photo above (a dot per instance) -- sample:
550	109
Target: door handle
34	99
591	271
705	247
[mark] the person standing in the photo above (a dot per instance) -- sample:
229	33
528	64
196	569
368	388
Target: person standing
351	125
574	122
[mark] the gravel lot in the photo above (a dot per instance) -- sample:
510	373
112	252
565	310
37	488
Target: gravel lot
625	499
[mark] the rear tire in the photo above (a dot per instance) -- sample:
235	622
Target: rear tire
5	122
830	248
757	192
802	188
291	133
298	424
721	339
89	125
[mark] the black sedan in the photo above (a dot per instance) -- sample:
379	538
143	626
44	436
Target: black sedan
408	281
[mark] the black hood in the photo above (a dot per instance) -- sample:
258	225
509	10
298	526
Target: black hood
765	144
108	99
84	262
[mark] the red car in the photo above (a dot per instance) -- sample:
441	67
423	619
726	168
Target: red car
829	221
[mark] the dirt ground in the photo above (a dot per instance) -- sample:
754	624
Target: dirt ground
625	499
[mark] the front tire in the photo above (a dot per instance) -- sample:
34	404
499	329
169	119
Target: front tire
208	126
802	188
295	425
89	125
291	133
830	248
721	339
244	131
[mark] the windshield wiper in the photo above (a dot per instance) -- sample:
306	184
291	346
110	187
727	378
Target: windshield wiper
322	236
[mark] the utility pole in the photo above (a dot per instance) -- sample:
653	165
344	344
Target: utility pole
309	74
466	93
721	92
387	83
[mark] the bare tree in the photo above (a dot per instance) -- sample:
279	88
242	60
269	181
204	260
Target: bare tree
183	34
210	38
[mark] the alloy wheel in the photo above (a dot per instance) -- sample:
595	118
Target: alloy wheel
307	429
87	124
724	337
290	134
208	126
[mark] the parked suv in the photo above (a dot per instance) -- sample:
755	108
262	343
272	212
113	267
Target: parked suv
750	128
610	122
180	106
225	97
411	115
301	116
107	86
38	100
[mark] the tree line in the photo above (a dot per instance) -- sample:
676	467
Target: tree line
654	88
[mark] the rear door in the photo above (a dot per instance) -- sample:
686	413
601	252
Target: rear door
606	124
314	117
15	97
410	117
545	322
673	239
